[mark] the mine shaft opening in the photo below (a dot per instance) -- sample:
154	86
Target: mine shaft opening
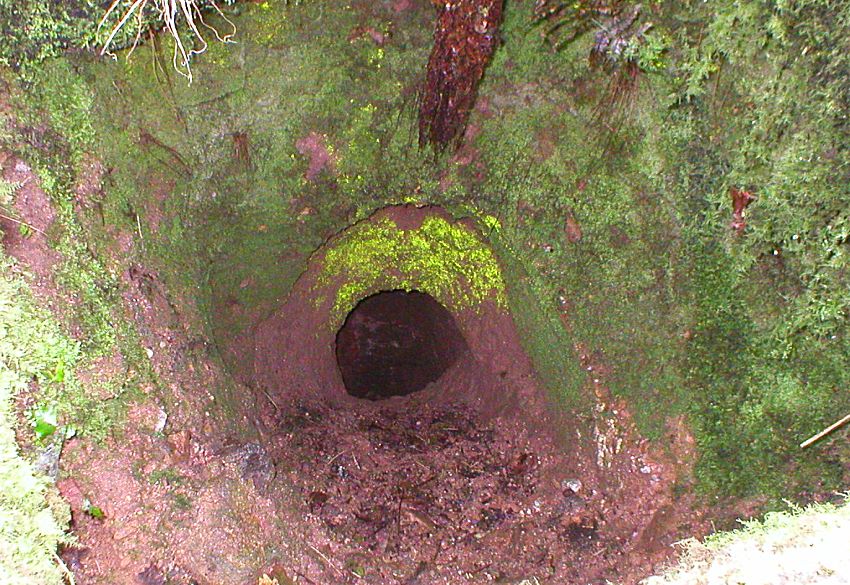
395	343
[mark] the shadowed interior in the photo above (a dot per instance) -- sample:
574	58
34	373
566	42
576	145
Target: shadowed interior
395	343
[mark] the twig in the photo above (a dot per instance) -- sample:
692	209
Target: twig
270	399
68	574
825	432
422	465
23	223
139	227
335	457
326	559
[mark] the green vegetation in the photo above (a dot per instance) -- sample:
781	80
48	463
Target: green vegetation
181	19
94	511
690	318
605	212
33	518
743	334
58	91
167	476
761	104
36	343
35	31
59	157
447	261
38	31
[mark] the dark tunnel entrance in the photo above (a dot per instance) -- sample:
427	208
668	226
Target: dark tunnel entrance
395	343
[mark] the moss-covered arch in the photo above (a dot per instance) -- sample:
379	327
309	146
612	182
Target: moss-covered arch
402	247
440	257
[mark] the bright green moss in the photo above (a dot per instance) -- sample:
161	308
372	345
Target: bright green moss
35	31
445	260
31	346
59	91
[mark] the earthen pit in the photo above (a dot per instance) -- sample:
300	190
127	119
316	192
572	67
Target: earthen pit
395	343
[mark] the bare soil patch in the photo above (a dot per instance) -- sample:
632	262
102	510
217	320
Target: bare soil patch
437	495
26	223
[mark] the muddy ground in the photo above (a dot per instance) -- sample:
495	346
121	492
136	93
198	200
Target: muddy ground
433	495
390	494
434	487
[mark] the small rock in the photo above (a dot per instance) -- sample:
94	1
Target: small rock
254	463
48	459
74	557
161	419
574	485
572	505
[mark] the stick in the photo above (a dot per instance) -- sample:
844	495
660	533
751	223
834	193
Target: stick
825	432
334	458
68	574
23	223
269	397
324	558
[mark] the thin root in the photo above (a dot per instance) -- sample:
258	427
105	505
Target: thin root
175	15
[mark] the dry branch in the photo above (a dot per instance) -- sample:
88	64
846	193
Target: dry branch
834	426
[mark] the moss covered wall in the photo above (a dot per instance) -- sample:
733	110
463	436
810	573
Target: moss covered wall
611	210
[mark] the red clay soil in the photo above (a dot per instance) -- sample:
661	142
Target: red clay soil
468	480
26	223
417	494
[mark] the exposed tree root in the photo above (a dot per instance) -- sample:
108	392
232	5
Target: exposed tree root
464	41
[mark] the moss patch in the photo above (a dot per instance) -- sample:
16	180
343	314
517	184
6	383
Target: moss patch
31	348
445	260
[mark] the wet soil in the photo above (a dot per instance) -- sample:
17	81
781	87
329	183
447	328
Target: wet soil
402	493
434	495
25	225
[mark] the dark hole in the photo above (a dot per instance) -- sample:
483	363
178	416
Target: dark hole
395	343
